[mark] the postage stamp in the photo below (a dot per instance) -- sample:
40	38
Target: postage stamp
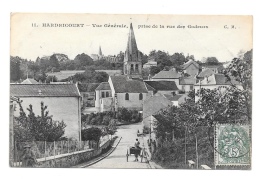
232	144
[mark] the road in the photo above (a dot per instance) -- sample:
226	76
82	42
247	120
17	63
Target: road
117	159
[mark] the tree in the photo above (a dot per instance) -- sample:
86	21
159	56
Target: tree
82	60
212	61
40	128
51	79
154	70
54	62
112	127
15	71
178	59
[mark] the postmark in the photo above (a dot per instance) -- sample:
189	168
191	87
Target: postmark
232	144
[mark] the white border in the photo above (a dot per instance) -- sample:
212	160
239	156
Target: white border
238	7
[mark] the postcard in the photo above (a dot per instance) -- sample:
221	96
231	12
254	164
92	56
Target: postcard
131	91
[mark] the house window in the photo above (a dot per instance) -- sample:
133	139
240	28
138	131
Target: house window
132	67
126	96
141	96
103	94
136	67
191	87
107	94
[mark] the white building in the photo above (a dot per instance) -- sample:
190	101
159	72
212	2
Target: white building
214	81
63	101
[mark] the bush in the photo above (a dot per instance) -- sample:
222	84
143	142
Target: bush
92	133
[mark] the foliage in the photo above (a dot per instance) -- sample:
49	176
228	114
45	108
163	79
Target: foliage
211	61
93	133
178	59
15	71
40	128
194	121
154	70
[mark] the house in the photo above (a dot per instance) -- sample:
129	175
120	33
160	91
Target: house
152	106
215	68
164	75
214	81
191	67
162	87
149	64
206	72
187	83
29	81
63	101
87	92
104	100
176	99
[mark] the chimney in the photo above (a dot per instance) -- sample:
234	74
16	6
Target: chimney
149	77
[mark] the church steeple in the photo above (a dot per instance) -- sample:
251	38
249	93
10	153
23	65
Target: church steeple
100	52
132	60
131	53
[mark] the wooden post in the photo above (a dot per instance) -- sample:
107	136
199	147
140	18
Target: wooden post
185	156
197	155
68	146
45	150
54	148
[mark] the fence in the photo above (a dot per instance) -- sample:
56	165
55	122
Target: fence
45	150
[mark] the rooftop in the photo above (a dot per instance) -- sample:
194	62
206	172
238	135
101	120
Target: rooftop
44	90
206	72
172	73
88	87
188	63
29	81
187	81
154	104
173	97
122	84
218	79
103	86
162	85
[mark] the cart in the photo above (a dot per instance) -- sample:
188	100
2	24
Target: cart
132	150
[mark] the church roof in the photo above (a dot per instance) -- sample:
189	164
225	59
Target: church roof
162	85
29	81
172	73
122	84
103	86
44	90
131	53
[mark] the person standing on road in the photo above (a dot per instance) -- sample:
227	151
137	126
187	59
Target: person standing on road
137	146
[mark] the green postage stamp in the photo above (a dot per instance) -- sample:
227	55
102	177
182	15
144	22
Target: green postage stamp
232	144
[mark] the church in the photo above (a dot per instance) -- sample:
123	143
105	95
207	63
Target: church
128	90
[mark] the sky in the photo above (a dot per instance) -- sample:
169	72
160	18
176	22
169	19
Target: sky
218	40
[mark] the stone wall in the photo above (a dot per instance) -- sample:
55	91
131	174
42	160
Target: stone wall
71	159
